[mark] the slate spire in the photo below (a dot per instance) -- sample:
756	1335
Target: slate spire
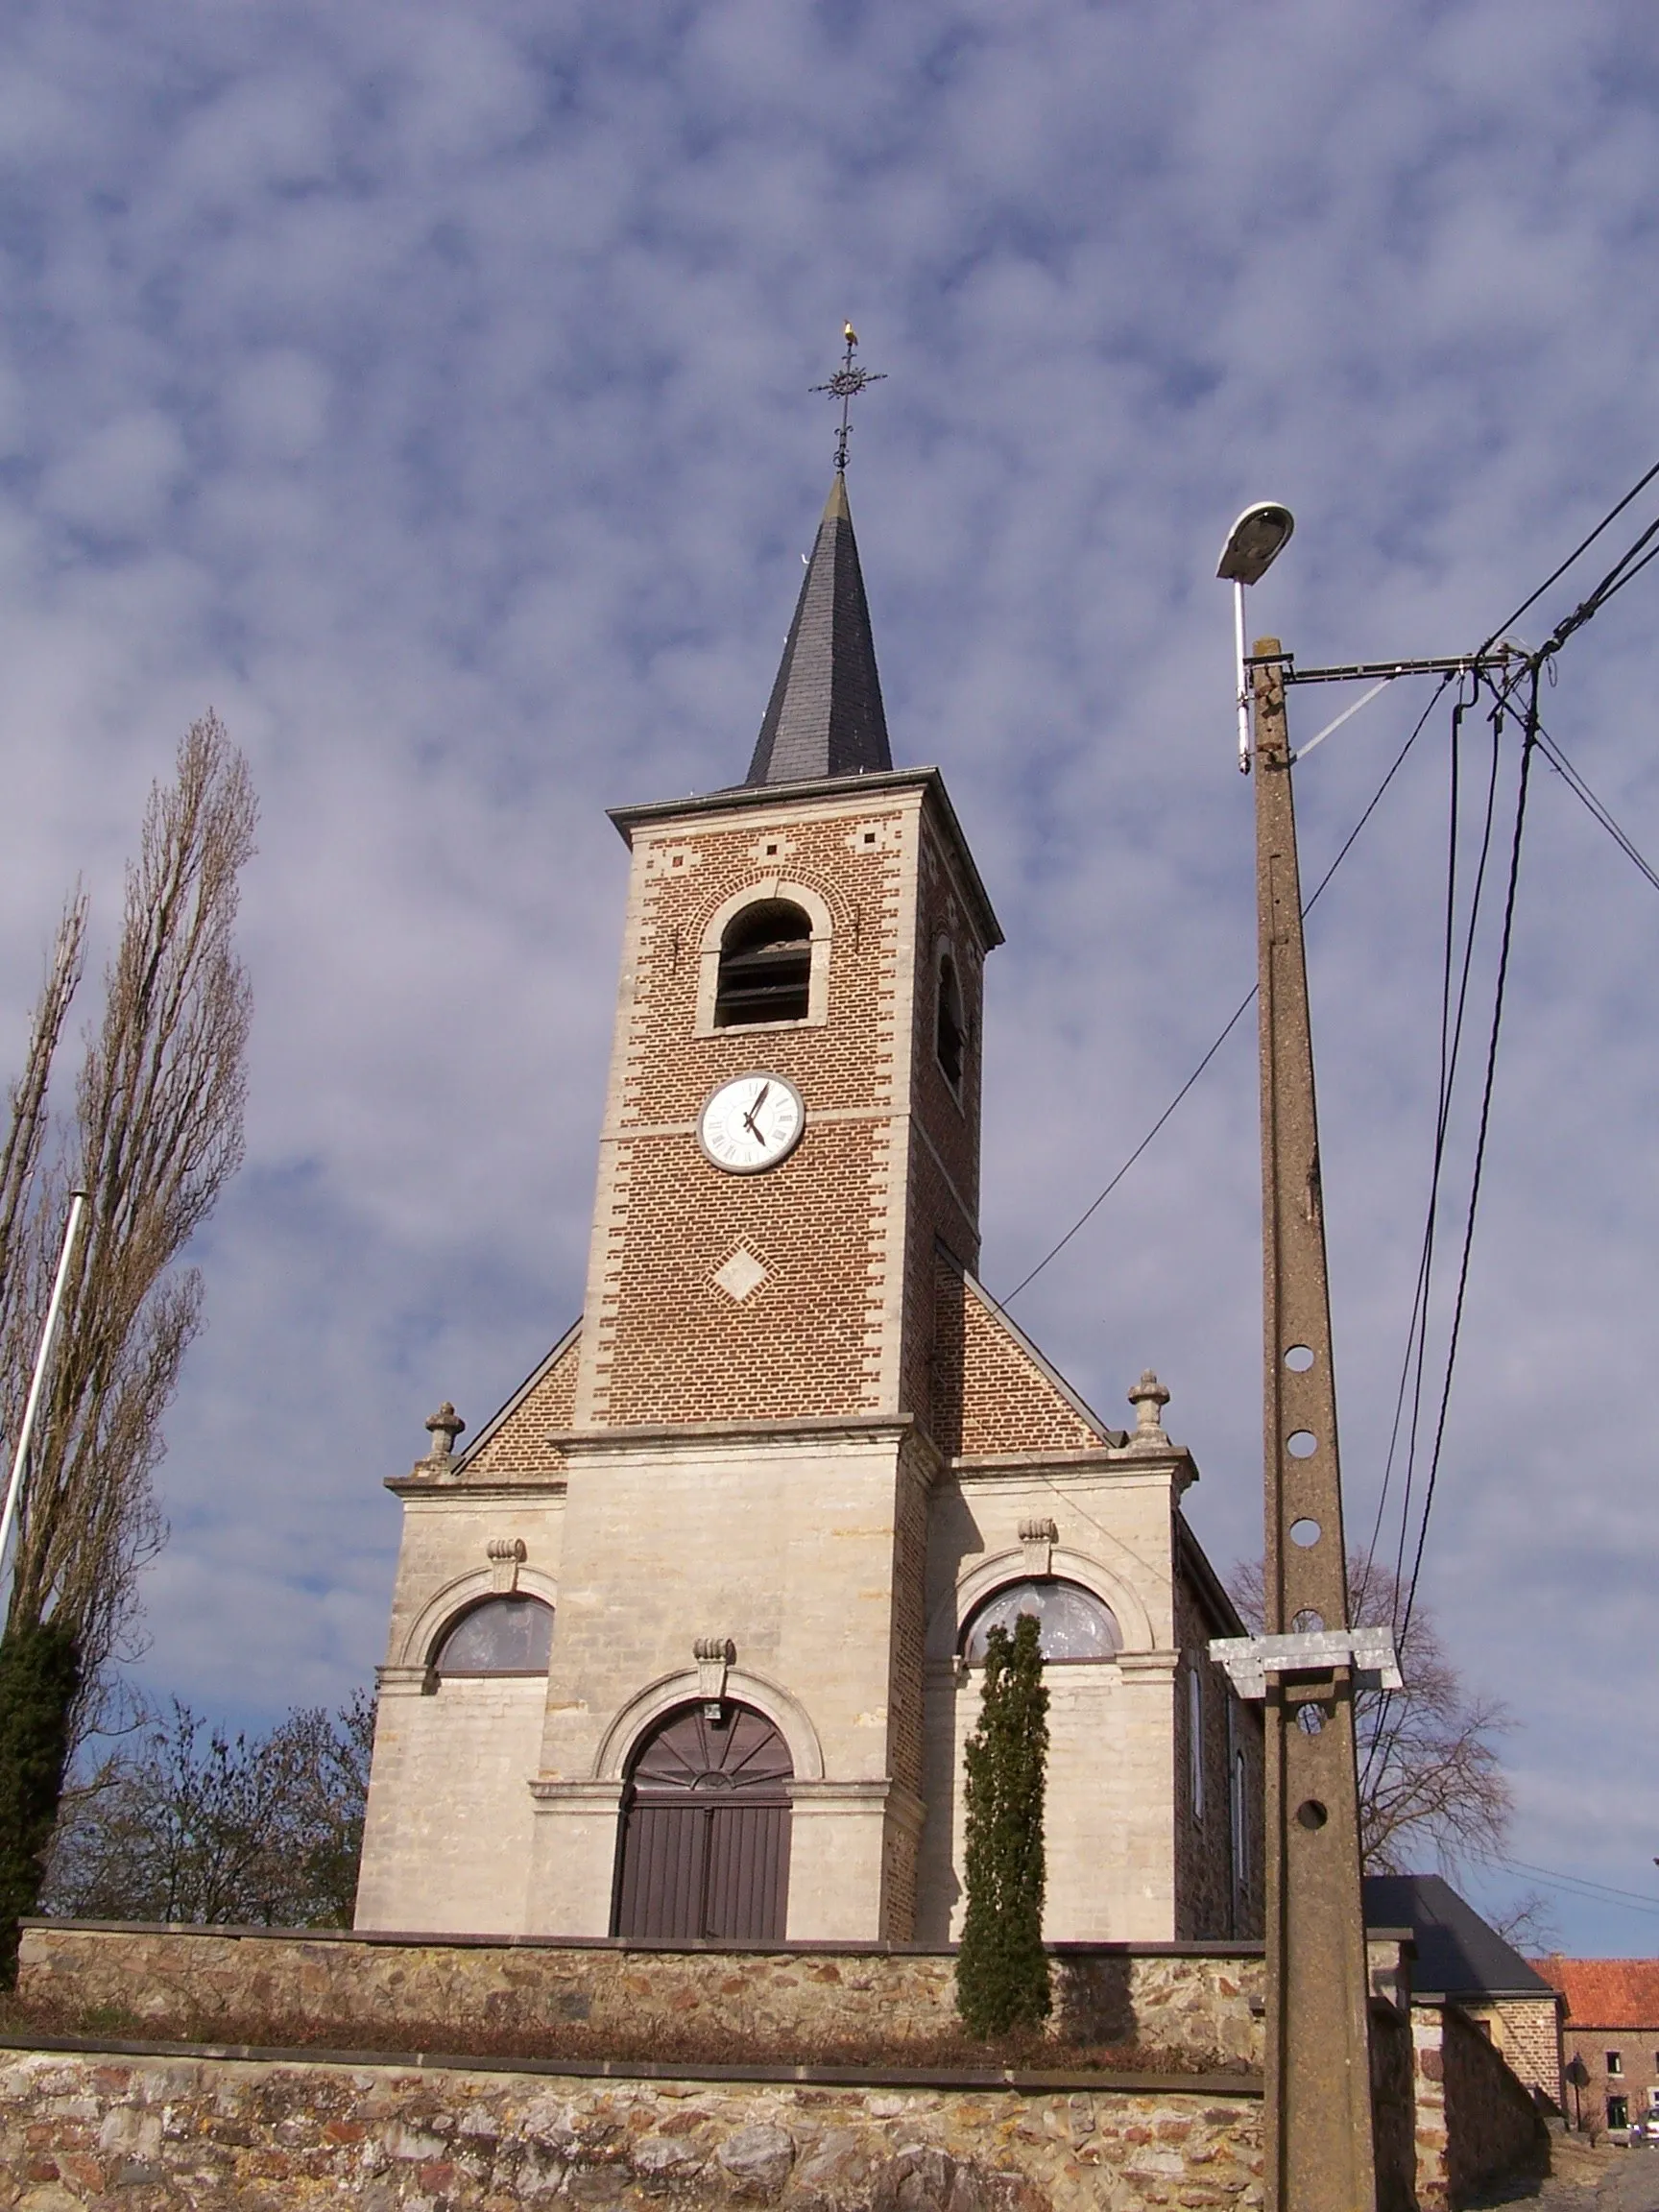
825	716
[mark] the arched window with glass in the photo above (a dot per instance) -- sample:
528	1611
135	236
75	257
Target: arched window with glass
498	1636
1073	1626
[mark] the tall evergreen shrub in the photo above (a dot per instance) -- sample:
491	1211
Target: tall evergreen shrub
39	1676
1002	1970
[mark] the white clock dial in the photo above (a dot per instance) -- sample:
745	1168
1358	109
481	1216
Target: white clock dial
751	1122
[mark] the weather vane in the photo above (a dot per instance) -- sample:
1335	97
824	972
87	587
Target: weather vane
848	382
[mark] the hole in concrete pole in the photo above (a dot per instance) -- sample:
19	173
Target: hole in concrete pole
1310	1813
1301	1443
1309	1720
1304	1533
1308	1623
1299	1358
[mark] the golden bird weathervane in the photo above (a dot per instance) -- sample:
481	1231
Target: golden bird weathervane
848	382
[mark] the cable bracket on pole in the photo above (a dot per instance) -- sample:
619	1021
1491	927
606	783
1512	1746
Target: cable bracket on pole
1363	671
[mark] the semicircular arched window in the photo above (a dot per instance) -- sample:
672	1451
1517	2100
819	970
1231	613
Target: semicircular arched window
501	1636
765	966
1072	1622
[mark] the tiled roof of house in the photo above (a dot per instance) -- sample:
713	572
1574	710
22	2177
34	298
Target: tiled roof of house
1608	1992
825	718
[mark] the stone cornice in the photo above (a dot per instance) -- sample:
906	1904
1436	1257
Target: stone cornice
844	793
803	1429
1175	1466
464	1489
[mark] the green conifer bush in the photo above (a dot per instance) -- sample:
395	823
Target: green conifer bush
39	1674
1002	1970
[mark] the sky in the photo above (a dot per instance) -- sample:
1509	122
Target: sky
426	388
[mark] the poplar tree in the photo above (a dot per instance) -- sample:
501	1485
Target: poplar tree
1002	1968
157	1132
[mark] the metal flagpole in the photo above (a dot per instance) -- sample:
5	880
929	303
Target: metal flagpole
42	1359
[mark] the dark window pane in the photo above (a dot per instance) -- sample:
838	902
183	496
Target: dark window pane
1071	1623
502	1636
950	1033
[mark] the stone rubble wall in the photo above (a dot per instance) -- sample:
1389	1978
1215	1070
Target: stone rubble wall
179	1982
1474	2120
222	2135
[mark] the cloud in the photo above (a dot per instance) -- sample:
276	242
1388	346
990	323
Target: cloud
428	393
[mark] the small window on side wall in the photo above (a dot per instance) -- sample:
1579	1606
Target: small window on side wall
501	1636
765	966
950	1030
1196	1741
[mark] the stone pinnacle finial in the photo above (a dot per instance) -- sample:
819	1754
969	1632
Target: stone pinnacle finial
445	1425
1148	1399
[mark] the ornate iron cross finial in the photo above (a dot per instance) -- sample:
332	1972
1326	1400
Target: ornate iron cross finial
848	382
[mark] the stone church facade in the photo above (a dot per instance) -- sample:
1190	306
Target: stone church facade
687	1640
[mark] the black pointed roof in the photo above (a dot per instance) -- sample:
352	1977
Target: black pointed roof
825	717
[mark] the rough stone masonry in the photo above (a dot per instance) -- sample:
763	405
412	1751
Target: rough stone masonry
220	2135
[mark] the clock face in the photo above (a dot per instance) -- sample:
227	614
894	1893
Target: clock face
751	1122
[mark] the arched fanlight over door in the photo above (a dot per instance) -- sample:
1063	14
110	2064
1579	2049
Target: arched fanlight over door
705	1839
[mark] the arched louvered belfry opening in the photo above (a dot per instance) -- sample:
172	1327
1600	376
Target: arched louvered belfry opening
704	1850
765	966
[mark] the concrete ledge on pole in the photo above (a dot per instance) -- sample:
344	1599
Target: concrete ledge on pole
1249	1660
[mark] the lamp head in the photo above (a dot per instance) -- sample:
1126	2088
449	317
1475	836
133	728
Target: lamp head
1255	542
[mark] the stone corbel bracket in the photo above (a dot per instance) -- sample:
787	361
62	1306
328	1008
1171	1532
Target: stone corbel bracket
1037	1541
1249	1660
714	1655
506	1554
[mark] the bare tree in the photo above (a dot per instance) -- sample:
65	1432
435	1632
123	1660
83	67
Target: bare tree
1430	1778
200	1826
157	1132
26	1124
1530	1923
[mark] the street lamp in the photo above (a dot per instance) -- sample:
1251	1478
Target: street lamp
1253	544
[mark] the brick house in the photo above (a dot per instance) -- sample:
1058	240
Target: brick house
1610	2038
688	1639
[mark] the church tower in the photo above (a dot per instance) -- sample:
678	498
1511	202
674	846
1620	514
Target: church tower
683	1644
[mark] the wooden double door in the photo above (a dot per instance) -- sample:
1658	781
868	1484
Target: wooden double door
704	1843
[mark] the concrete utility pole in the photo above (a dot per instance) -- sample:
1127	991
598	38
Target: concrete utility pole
1318	2150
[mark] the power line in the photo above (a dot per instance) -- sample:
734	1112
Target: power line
1417	1329
1232	1020
1528	744
1582	547
1553	751
1383	1738
1598	1891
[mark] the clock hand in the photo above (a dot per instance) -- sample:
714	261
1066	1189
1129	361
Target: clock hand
749	1117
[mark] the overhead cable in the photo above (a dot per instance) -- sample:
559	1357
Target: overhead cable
1232	1020
1528	745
